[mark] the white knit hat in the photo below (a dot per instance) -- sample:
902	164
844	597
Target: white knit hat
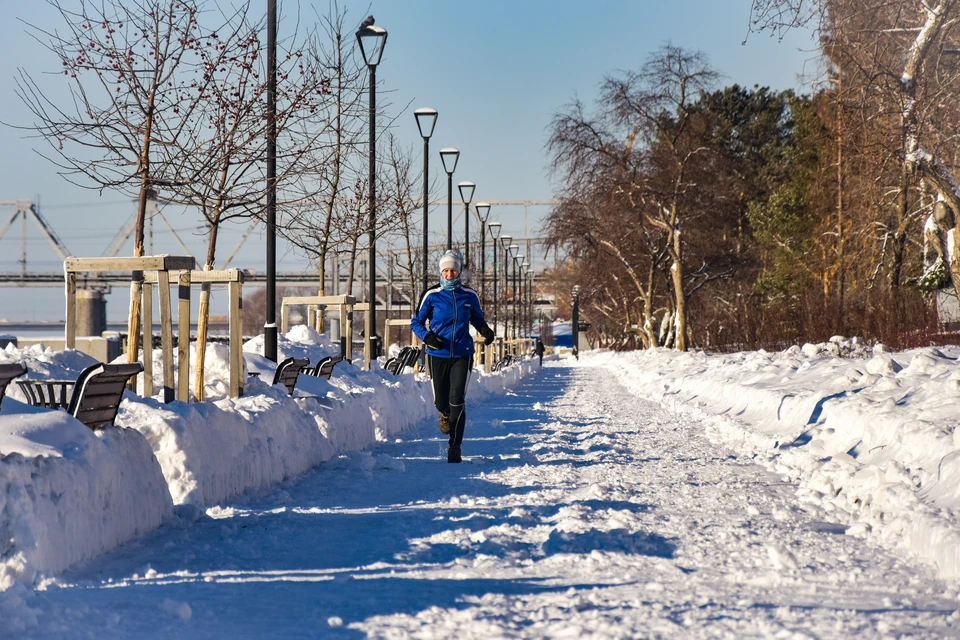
450	260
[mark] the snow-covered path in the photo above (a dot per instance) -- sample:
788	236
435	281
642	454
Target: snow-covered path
580	511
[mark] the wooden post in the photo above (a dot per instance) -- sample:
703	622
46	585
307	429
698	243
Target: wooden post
236	340
183	338
166	333
71	337
284	317
147	339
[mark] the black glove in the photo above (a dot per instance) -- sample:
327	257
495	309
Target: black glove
488	334
433	341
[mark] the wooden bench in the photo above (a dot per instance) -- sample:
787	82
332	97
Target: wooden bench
7	373
98	391
288	371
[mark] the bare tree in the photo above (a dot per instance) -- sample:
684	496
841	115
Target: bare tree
640	150
222	173
120	60
322	217
400	207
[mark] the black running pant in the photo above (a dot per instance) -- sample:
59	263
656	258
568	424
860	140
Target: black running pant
449	377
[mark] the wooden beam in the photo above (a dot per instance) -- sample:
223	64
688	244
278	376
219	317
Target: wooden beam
320	300
147	313
222	276
144	263
236	340
166	333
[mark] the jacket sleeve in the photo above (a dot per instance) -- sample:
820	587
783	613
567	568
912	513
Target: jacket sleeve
418	321
476	316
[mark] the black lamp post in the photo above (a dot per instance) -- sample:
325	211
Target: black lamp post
270	321
530	300
426	120
372	40
519	317
514	251
494	233
505	241
525	316
466	195
575	329
449	157
483	211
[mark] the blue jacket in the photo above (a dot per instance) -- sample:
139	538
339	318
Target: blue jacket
450	314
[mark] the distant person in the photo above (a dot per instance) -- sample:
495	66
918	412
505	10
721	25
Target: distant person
538	350
450	308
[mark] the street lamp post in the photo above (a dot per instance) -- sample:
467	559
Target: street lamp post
494	233
483	211
524	316
372	40
505	242
270	321
517	259
575	329
426	121
466	195
449	157
531	299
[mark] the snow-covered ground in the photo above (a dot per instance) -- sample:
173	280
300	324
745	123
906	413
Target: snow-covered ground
808	493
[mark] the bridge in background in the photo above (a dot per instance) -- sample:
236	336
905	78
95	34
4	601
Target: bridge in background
387	281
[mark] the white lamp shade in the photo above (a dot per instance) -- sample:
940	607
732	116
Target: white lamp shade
483	210
449	156
426	121
372	40
494	229
466	191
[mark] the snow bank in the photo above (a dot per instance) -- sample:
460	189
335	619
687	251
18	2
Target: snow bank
871	437
68	494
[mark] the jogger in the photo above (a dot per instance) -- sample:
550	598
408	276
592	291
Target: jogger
449	377
450	308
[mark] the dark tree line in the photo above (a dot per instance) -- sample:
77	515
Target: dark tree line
734	217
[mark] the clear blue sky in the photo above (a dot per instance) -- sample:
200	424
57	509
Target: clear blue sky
496	71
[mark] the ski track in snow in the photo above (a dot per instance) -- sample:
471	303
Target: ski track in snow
580	510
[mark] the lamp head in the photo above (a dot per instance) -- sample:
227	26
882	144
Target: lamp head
494	228
483	211
426	121
466	192
449	157
372	39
